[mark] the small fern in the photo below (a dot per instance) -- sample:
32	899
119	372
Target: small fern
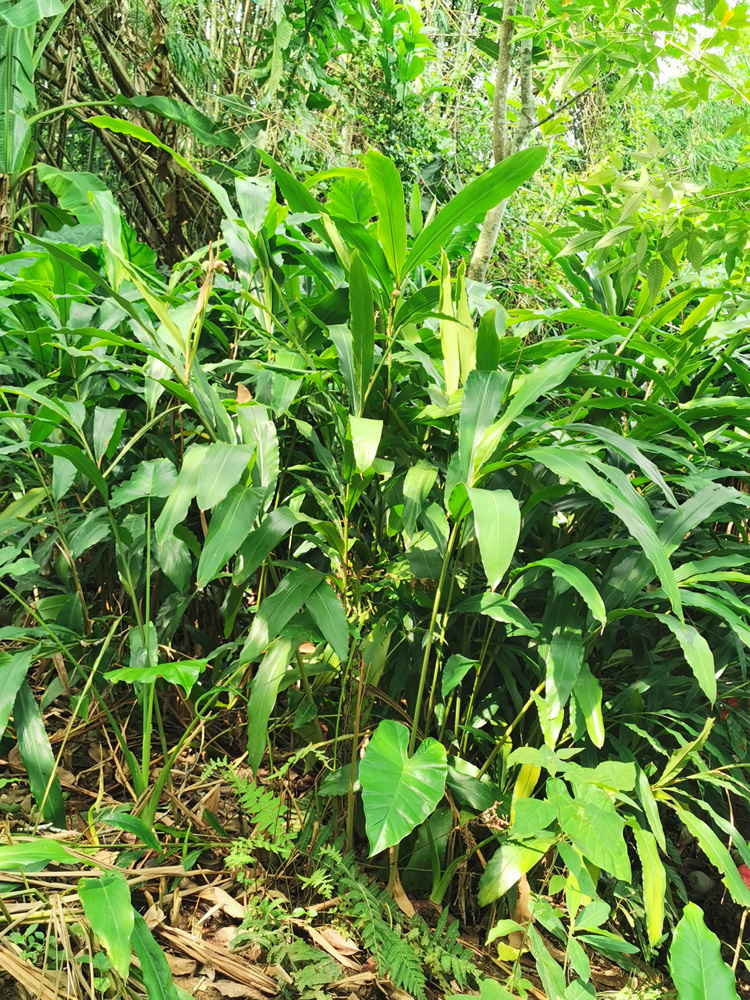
262	808
372	912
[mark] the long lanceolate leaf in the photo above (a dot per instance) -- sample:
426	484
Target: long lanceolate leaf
17	94
474	202
624	501
38	759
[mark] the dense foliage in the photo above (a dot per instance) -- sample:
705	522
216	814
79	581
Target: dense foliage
285	490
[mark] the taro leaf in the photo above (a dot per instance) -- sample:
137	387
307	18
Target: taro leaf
695	960
593	825
106	903
399	792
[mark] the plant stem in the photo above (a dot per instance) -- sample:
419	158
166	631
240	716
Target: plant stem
430	632
496	749
353	763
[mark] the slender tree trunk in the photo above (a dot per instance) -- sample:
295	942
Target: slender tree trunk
6	232
502	144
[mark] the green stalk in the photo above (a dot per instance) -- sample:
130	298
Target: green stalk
430	632
503	739
353	763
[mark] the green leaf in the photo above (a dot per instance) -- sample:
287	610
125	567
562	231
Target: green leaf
415	210
650	808
231	522
222	466
13	668
695	960
182	672
365	440
106	903
718	855
38	759
539	382
449	328
550	971
182	493
121	820
203	128
587	692
697	653
82	462
509	862
531	817
156	478
473	202
654	883
262	541
655	278
497	519
455	669
121	127
593	825
563	656
263	692
578	580
626	503
259	433
23	853
362	311
26	13
278	609
500	609
418	483
154	967
388	194
330	617
481	402
399	792
108	422
351	198
17	96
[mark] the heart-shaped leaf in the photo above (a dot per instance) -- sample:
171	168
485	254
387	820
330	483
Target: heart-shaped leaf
399	792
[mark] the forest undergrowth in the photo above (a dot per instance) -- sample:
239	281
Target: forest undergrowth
373	532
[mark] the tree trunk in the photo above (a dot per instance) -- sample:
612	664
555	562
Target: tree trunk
6	231
502	146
